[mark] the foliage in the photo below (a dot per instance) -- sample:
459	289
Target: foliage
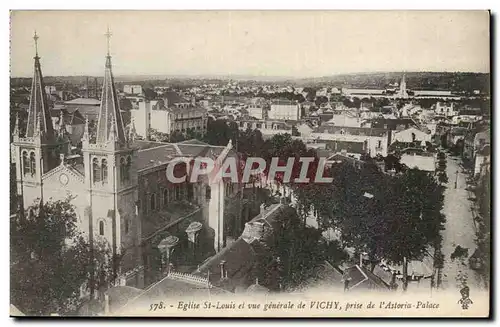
158	136
50	260
459	253
442	177
219	132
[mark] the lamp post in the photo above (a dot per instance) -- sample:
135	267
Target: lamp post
165	248
456	179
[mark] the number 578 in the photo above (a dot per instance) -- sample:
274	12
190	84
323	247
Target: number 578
156	306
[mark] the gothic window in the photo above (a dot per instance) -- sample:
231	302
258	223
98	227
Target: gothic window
101	228
379	144
126	225
104	170
127	168
122	169
26	164
96	172
33	163
165	197
208	194
153	202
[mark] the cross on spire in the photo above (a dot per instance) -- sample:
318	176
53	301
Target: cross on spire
35	37
108	36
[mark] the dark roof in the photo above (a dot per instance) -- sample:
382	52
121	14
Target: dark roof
239	260
173	98
152	154
156	156
361	277
393	124
344	158
329	274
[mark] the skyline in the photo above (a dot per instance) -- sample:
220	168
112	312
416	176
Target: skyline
234	43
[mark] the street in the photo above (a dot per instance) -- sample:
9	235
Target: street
459	229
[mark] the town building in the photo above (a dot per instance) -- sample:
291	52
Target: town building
284	110
446	109
172	113
355	140
132	89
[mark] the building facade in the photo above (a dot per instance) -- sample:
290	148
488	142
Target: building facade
168	115
284	110
116	183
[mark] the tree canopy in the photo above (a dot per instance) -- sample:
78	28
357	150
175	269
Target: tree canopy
51	260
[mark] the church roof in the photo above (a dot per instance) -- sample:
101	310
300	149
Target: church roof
38	110
155	154
110	117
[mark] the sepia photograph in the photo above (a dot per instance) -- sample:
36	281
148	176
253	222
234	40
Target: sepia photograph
250	163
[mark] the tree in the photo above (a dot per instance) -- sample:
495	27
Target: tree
51	260
149	93
177	136
158	136
220	131
442	177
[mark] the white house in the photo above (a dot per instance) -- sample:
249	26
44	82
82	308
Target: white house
410	135
284	110
446	109
132	89
256	112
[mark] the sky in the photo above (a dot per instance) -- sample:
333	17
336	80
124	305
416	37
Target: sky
258	43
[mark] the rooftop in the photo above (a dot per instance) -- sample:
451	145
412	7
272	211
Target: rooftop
84	101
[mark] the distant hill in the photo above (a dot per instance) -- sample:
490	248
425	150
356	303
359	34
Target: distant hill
414	80
456	81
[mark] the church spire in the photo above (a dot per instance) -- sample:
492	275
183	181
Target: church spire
38	106
110	117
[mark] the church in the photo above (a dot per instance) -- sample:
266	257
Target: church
119	188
